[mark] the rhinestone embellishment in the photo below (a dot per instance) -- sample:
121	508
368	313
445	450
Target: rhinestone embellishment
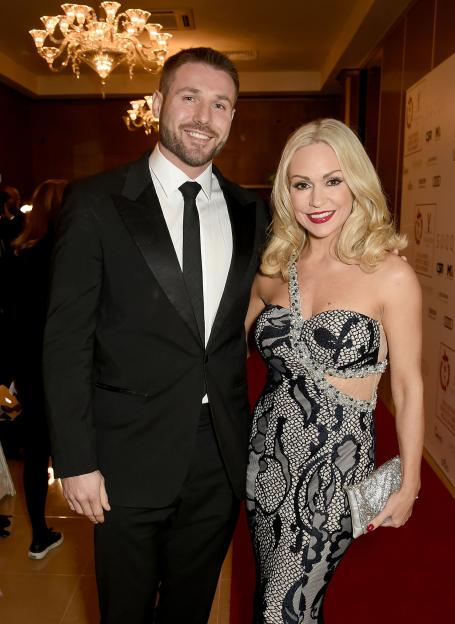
317	372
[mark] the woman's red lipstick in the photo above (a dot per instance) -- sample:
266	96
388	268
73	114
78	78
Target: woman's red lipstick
321	217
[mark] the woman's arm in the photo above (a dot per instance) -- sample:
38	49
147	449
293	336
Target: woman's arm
402	322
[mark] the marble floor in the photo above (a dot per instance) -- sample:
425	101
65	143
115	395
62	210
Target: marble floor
60	589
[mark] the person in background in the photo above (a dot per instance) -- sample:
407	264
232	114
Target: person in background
9	405
145	353
11	224
330	302
26	307
11	217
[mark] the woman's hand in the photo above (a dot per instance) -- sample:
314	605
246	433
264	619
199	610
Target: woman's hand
397	511
8	401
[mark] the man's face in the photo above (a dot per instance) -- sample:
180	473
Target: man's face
195	115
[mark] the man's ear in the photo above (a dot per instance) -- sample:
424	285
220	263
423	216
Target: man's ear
232	114
157	103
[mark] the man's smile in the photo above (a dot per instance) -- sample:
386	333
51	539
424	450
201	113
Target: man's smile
198	134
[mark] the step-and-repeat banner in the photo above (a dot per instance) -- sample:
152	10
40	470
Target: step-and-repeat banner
428	218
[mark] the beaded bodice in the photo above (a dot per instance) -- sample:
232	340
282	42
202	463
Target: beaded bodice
333	343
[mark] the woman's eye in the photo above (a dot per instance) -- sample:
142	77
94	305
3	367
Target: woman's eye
301	186
334	181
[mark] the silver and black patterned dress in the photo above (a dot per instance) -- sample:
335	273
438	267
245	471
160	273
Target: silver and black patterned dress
308	441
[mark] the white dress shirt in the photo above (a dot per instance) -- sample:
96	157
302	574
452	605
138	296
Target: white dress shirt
215	226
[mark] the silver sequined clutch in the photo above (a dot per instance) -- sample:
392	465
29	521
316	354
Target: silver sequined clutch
369	497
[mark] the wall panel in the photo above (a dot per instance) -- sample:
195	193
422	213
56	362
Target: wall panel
418	49
74	138
444	34
15	139
390	111
260	129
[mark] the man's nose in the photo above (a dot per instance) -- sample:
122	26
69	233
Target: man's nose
202	113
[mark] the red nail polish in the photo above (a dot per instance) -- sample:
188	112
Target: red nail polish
370	527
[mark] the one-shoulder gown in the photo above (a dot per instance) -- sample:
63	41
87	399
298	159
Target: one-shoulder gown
309	440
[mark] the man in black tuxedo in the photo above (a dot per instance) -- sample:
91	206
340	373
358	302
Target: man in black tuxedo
145	355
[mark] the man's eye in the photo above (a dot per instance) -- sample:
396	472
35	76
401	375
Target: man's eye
220	106
189	98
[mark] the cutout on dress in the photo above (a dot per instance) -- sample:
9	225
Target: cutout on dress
361	388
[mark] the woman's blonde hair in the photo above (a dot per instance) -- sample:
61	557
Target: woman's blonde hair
46	203
368	233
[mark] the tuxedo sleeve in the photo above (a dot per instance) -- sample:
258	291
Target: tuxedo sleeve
264	220
68	349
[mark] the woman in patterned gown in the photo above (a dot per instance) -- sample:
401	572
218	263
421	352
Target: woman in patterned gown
329	303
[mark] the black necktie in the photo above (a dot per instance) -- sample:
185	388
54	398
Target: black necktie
192	263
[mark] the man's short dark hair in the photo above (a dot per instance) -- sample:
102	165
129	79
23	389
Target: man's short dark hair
206	56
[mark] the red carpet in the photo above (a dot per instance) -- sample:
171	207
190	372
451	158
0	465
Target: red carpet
393	576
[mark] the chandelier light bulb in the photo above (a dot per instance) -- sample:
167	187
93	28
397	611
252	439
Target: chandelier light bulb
136	104
137	18
153	29
38	37
81	12
50	22
63	24
79	37
50	54
110	9
69	11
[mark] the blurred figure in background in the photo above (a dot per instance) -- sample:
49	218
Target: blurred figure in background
11	225
26	313
11	217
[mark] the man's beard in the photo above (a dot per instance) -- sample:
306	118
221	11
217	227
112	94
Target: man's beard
192	157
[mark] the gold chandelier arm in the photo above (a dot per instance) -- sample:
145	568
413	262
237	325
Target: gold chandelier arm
131	124
53	55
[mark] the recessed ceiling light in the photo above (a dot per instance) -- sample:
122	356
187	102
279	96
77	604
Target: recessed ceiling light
241	55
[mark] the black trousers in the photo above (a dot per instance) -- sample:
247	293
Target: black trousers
34	434
174	552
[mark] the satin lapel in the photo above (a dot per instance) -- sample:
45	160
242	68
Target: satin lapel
243	223
145	222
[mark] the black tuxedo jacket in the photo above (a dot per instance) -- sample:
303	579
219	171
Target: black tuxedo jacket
124	366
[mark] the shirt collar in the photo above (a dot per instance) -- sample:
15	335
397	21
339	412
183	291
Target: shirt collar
171	177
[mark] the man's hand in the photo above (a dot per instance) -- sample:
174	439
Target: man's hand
86	494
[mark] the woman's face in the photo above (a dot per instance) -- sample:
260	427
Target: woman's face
321	199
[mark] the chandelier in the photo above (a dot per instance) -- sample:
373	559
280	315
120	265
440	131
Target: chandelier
101	44
140	115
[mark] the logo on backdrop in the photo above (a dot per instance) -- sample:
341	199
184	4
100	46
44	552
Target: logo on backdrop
444	371
418	228
409	112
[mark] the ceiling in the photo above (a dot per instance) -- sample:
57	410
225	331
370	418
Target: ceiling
295	45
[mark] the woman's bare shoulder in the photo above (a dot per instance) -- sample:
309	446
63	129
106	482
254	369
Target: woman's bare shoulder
396	275
394	267
267	287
